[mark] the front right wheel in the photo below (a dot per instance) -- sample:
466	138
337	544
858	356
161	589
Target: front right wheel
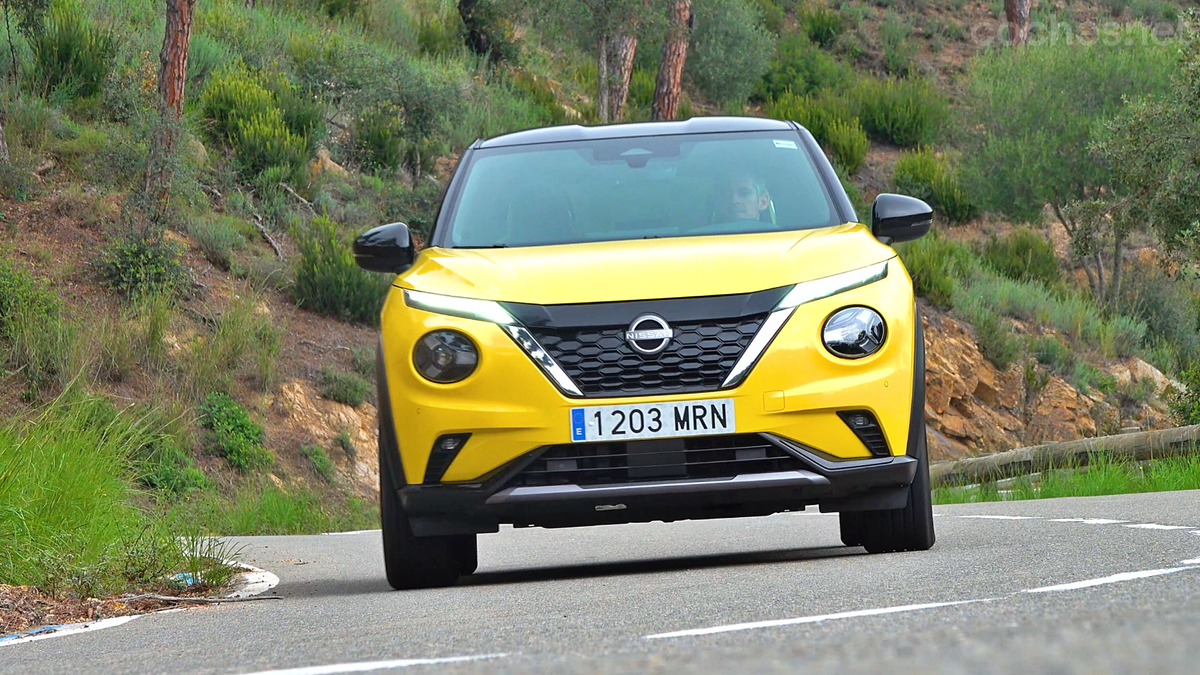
412	561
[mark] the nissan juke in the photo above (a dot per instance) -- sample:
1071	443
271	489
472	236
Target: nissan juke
647	322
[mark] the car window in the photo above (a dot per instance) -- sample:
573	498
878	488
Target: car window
636	188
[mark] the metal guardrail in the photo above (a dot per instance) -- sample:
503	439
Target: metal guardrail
1139	446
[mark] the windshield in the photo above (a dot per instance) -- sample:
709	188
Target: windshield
639	188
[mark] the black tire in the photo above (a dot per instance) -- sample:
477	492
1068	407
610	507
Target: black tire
411	561
906	529
851	526
466	552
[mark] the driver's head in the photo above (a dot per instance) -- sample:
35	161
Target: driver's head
748	196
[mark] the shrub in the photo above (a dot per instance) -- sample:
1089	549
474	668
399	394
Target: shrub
829	120
265	142
232	95
218	237
377	139
800	66
898	47
347	444
822	25
232	434
729	49
924	174
993	332
328	281
1051	352
162	466
243	338
34	338
346	388
934	262
136	265
1167	304
1023	255
320	461
540	93
71	52
905	112
363	360
1185	403
267	125
206	56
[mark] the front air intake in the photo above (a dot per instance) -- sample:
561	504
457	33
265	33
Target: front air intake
866	427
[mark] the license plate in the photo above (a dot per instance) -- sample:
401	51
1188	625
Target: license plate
652	420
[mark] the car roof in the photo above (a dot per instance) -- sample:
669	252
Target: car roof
576	132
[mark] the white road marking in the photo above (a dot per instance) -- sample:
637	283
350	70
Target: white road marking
1156	526
368	666
336	534
1004	517
254	581
1089	521
69	629
807	619
1193	561
1113	579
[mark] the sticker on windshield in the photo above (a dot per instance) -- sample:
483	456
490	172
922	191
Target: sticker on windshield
790	145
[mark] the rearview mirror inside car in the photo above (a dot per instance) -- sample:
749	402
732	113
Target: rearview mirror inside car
896	218
387	248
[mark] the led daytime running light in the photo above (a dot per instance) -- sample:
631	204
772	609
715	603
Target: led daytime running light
470	308
809	291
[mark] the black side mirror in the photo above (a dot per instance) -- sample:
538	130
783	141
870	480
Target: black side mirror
387	248
898	218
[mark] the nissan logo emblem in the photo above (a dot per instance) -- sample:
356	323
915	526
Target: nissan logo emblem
649	334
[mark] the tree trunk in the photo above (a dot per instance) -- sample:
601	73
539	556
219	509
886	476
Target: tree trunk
670	70
476	38
1114	294
620	62
4	157
172	79
1017	14
602	92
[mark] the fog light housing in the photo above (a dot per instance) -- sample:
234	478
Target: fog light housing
854	332
445	356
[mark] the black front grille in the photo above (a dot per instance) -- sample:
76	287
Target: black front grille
698	359
633	461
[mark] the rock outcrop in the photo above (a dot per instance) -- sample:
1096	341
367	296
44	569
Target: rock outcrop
973	408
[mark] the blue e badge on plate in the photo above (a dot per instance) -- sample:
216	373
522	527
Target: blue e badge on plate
578	426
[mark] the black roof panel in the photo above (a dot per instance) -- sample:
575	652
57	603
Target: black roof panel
695	125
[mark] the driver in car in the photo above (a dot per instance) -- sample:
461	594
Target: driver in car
744	197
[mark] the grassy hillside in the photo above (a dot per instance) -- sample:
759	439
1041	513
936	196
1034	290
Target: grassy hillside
233	337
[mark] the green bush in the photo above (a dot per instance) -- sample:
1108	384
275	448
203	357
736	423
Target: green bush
1168	305
218	237
233	95
206	56
320	461
35	340
232	434
328	281
829	120
799	66
1024	255
264	142
377	140
898	46
363	360
934	263
165	468
136	265
243	340
1185	403
71	52
342	387
67	519
906	112
1053	353
729	49
822	25
993	331
926	175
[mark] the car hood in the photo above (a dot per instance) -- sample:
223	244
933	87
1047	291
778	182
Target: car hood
644	269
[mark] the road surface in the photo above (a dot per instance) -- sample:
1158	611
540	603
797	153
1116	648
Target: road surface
1086	585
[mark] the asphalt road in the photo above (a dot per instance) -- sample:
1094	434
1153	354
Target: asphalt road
591	600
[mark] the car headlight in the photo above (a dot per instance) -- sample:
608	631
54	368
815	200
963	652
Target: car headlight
445	356
854	332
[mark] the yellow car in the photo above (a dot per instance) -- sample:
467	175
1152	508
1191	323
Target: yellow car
662	321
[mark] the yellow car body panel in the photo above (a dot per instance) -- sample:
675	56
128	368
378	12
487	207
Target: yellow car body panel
511	408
